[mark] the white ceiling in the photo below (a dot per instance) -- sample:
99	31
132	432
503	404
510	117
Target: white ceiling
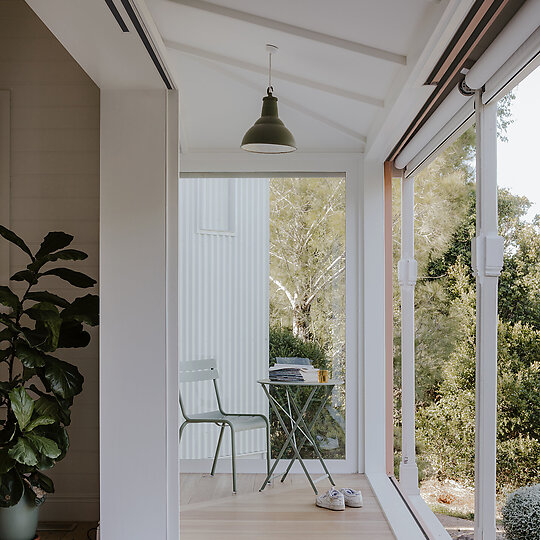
330	97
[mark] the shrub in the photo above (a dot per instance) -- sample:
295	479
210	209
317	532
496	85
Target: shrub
518	462
446	426
521	514
283	343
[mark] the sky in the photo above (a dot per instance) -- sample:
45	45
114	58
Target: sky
517	168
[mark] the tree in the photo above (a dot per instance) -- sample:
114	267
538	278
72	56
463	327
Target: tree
307	248
446	423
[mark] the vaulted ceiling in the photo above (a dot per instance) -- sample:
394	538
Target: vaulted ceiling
337	72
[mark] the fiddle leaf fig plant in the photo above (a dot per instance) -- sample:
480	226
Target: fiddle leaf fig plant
37	390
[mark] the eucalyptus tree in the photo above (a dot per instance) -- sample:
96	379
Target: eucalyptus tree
307	254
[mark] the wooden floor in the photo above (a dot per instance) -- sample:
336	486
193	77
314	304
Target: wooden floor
286	511
82	531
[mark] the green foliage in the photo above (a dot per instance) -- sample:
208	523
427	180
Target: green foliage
445	222
283	343
446	426
521	514
307	259
40	388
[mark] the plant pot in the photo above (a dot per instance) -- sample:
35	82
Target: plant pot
19	522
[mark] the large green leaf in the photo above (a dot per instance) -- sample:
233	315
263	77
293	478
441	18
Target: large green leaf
59	435
25	275
37	337
9	298
84	309
29	356
10	236
73	335
8	431
53	242
6	461
39	421
77	279
64	255
45	463
68	255
10	323
42	481
44	445
43	311
6	334
53	407
28	373
24	452
45	405
46	296
47	314
63	379
22	405
11	488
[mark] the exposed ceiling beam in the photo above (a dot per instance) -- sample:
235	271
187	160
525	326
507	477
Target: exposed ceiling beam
295	30
291	103
220	59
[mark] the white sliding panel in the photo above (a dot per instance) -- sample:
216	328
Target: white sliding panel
223	312
407	272
135	423
487	255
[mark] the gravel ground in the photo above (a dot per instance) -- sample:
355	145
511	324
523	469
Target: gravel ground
462	529
452	497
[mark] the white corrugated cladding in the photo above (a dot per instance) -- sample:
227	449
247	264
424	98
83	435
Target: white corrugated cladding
223	305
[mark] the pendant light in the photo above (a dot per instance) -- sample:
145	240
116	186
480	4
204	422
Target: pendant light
268	135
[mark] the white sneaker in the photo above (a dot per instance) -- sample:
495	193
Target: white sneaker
352	497
332	499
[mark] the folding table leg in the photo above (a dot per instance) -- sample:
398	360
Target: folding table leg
314	444
288	440
328	391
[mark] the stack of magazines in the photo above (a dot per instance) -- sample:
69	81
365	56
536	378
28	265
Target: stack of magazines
293	370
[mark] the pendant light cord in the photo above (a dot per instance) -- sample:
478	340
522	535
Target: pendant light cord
269	89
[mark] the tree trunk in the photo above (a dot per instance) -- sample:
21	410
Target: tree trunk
302	322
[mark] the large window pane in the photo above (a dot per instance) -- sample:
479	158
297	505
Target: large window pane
307	292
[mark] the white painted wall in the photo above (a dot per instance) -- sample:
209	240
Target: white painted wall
53	184
136	445
223	302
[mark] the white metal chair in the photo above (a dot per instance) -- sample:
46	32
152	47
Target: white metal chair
205	370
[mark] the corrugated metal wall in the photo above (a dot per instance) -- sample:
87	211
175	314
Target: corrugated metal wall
223	307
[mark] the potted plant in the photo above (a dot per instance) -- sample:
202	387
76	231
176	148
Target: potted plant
38	388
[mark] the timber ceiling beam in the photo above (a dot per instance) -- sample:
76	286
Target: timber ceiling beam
248	66
291	103
298	31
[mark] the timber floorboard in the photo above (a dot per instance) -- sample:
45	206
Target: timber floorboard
81	532
286	510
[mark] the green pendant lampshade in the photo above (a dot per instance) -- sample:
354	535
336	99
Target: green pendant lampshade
268	135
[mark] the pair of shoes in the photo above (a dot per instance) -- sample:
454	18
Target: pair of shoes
337	499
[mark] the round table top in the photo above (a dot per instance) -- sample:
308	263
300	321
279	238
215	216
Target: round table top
330	382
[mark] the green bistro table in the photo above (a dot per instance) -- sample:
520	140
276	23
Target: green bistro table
296	412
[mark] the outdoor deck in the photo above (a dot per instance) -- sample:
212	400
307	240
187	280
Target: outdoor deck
286	511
